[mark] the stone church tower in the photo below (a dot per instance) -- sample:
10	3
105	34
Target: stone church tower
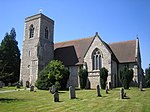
38	47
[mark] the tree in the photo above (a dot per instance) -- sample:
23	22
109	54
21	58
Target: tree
103	77
83	74
147	76
54	73
126	76
9	58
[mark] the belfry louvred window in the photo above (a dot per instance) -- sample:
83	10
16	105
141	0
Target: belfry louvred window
31	30
96	59
46	33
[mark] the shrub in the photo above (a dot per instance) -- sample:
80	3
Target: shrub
126	76
103	77
83	74
54	73
147	77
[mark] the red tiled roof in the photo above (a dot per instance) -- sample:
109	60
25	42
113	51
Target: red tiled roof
124	51
72	52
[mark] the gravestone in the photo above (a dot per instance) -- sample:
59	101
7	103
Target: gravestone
141	88
121	93
72	93
1	84
27	84
98	90
56	97
18	85
32	88
9	84
52	89
106	89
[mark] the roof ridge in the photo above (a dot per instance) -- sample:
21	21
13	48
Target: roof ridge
121	42
74	40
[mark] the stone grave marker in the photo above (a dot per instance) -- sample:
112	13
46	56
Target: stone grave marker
27	84
121	93
52	89
1	84
9	84
56	97
32	88
72	93
141	88
106	89
98	90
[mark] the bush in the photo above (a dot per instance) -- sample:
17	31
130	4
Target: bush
147	77
126	76
83	74
54	73
103	77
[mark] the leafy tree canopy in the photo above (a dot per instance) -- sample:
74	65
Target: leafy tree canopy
103	77
54	73
126	76
147	76
9	58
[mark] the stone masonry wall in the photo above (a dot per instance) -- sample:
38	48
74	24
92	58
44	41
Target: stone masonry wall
106	61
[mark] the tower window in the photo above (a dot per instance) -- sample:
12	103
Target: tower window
46	33
31	30
96	59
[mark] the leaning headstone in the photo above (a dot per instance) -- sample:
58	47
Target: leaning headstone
72	93
27	84
106	89
1	84
52	89
121	93
141	88
98	90
32	88
18	85
56	97
9	84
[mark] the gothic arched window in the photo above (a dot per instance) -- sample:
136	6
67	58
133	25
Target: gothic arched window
46	33
96	59
31	31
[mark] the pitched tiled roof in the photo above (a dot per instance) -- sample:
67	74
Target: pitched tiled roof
72	52
124	51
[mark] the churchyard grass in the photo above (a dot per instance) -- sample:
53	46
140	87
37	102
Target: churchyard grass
86	101
9	88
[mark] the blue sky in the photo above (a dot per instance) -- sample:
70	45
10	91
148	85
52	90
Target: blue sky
115	20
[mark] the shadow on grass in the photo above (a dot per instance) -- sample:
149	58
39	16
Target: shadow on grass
61	92
126	97
8	100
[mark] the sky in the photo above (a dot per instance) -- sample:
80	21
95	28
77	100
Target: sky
114	20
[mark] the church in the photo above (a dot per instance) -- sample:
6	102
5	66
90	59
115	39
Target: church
91	53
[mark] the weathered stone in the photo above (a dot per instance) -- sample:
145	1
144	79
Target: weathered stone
106	89
72	93
32	88
27	84
141	87
56	97
37	50
52	89
121	93
98	90
9	84
2	84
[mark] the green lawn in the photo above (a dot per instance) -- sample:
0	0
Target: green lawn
86	101
9	88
